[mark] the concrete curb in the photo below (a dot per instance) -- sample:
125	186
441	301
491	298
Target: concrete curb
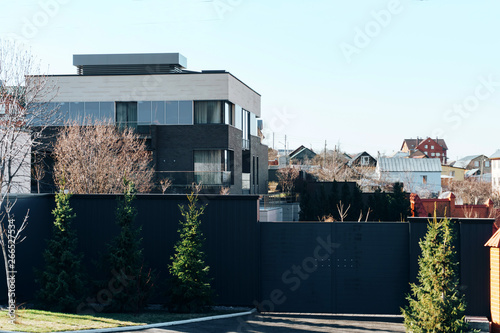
145	327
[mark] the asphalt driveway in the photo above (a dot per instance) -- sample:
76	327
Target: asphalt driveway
291	323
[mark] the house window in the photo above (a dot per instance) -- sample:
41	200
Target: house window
126	114
452	173
246	129
432	147
365	160
476	164
486	164
432	154
424	179
426	153
426	146
213	112
213	167
438	154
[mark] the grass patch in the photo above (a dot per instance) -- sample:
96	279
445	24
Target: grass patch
30	320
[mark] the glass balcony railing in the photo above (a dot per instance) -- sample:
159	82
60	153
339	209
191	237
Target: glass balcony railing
206	178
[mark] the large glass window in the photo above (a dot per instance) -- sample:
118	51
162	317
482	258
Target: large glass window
107	111
238	113
62	114
91	111
213	112
228	113
144	113
126	114
208	112
245	127
76	111
158	113
172	112
185	113
213	167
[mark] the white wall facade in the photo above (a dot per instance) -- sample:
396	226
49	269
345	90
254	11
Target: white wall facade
414	181
495	175
19	154
157	87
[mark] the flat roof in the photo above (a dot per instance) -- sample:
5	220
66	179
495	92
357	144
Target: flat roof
130	59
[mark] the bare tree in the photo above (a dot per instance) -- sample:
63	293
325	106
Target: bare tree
37	170
224	191
342	211
333	166
96	157
272	154
165	183
287	177
471	191
22	121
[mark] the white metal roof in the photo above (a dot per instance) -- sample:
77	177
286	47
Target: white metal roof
495	154
409	164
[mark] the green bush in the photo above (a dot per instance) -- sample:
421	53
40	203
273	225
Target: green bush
62	281
435	303
190	289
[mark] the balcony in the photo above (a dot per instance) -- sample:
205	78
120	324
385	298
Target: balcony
210	180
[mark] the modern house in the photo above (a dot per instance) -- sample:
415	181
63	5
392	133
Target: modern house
431	148
201	127
421	176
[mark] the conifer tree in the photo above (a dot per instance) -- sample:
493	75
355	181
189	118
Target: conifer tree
190	289
435	303
125	259
62	282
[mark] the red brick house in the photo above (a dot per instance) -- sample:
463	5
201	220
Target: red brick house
433	148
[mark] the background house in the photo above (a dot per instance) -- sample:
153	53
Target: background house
433	148
495	171
200	126
421	176
301	154
477	166
362	159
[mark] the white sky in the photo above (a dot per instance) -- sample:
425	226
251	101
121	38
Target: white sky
426	68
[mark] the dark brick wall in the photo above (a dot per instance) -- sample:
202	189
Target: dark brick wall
173	147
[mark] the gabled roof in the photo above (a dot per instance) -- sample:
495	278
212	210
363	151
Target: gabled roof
494	241
418	154
409	164
413	143
465	161
358	155
299	150
495	155
400	154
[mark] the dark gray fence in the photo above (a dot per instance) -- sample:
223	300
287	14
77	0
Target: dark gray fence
229	226
353	267
341	267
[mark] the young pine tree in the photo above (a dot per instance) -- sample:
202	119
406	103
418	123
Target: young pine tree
435	303
62	282
125	259
190	289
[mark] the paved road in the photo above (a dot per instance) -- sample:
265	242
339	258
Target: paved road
290	323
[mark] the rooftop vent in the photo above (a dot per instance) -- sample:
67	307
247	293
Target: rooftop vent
129	64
